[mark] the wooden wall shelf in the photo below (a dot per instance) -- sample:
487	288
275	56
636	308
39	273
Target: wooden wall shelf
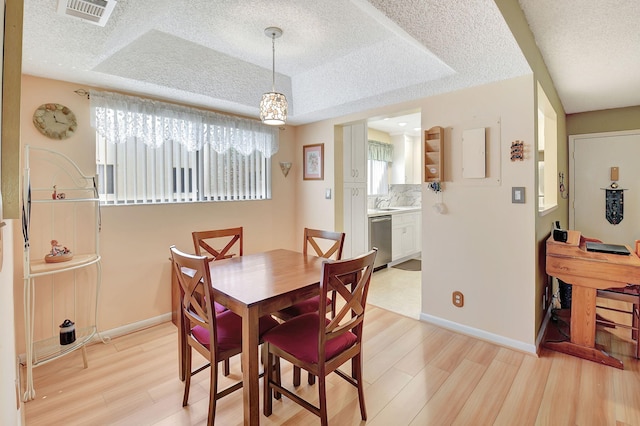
433	154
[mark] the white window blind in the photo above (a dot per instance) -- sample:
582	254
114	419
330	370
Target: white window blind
150	152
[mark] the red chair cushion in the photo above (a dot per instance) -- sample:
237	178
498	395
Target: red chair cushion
218	307
230	330
306	306
299	337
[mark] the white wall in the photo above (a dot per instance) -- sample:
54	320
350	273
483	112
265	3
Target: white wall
9	413
483	246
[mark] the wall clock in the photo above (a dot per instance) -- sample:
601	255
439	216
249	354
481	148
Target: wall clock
55	121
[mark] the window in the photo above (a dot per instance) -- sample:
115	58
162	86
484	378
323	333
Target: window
547	153
149	152
378	177
379	156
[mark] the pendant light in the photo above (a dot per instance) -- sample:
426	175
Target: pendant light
273	107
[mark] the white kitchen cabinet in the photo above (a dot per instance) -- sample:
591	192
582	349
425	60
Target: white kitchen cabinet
406	160
61	204
354	139
355	220
405	238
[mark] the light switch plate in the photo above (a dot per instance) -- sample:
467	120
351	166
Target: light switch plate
517	194
327	193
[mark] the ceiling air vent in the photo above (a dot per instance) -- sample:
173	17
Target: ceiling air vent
96	12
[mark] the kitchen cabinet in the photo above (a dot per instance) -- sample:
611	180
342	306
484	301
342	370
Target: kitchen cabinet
355	188
406	160
61	209
355	220
354	140
405	235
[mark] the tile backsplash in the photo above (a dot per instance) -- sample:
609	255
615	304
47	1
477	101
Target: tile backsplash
399	196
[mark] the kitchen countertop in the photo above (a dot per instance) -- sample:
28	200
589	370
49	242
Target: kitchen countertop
392	210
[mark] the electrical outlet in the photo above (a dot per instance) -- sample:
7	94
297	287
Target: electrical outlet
458	299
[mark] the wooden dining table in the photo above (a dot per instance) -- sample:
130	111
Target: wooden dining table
255	285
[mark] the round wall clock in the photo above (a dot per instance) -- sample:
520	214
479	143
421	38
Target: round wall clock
55	121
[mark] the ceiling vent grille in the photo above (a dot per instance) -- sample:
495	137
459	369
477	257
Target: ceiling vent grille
96	12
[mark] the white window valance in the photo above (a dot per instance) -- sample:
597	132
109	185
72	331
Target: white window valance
380	151
119	117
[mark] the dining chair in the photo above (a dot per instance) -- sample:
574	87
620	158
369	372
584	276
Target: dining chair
204	243
216	336
321	345
230	238
630	294
325	244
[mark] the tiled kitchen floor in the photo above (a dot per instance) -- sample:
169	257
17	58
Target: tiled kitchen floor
396	290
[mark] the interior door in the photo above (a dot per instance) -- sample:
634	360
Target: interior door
590	174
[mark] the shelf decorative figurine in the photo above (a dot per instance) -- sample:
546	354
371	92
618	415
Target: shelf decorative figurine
58	253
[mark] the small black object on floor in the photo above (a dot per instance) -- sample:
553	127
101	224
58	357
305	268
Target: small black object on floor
410	265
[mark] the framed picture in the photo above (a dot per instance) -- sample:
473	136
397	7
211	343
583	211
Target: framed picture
313	161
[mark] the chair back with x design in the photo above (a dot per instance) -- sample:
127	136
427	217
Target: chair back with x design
231	238
317	239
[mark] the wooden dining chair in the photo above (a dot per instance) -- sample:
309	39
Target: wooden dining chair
229	243
325	244
216	336
321	345
630	295
229	239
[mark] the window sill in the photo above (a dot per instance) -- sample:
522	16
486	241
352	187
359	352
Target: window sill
545	210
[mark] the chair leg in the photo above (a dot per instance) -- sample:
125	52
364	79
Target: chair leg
322	391
357	366
635	333
296	376
311	379
186	366
213	392
276	360
635	321
267	405
225	367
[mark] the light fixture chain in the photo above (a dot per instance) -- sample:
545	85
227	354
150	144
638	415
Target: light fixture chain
273	62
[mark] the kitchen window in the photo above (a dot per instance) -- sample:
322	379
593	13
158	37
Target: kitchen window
380	155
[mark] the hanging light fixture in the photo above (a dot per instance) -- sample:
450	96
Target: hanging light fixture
273	106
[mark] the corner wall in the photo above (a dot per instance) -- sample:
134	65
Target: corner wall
484	246
135	240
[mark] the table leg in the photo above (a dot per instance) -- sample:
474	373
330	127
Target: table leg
250	366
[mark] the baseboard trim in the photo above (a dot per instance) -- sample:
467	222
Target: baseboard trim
135	326
105	336
480	334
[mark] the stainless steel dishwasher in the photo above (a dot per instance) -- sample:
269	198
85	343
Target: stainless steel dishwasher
380	237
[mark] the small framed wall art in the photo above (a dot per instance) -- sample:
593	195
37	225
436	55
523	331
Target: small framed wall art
313	161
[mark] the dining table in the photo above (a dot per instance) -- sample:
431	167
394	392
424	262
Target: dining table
255	285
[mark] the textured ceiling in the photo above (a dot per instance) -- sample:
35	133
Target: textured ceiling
335	57
591	48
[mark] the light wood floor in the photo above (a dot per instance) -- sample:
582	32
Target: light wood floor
416	374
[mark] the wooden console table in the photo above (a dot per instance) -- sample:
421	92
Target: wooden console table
587	272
